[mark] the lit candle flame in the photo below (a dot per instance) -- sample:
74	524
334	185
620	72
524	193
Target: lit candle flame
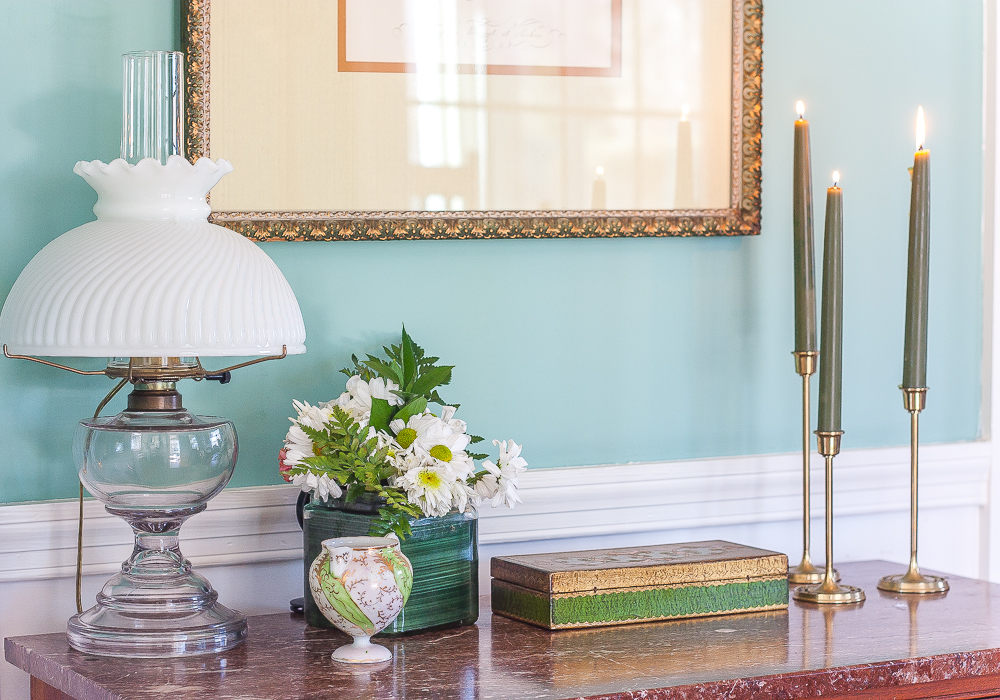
836	178
800	108
685	110
600	171
921	129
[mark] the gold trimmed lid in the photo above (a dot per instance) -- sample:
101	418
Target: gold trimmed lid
626	567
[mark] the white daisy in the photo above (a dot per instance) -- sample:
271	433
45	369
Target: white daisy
363	392
502	480
429	485
430	432
321	486
298	445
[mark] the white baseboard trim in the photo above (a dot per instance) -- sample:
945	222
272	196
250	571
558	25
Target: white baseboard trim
257	524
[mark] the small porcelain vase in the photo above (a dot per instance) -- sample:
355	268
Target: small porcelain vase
360	584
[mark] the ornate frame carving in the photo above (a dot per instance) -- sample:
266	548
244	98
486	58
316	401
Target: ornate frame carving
742	218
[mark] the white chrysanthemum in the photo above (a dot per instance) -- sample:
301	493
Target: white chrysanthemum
357	400
500	483
314	417
363	392
488	486
430	432
429	485
321	486
461	494
298	445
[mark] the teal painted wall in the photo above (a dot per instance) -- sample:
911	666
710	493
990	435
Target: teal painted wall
587	351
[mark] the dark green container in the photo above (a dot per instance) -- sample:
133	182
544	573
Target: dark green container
444	553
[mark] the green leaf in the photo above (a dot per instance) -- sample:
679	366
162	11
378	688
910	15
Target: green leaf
441	402
409	361
354	491
413	408
432	377
473	439
476	455
381	368
381	414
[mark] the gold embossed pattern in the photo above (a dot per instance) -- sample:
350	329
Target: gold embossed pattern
660	565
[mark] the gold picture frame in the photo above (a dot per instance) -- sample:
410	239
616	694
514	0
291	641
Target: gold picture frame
742	217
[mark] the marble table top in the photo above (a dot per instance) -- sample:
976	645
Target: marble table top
806	651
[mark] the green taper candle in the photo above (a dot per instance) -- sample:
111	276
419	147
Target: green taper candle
918	266
831	321
802	234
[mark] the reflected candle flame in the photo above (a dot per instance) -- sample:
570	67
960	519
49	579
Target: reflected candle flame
685	111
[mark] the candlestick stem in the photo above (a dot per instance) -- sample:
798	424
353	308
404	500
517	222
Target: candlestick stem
829	591
806	571
914	400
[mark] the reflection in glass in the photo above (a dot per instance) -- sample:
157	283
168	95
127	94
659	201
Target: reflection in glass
442	105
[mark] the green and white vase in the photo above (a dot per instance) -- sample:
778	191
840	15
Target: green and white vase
443	552
361	584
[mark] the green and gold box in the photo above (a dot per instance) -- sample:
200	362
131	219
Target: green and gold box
638	584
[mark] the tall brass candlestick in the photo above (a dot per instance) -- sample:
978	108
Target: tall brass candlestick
914	384
829	432
805	322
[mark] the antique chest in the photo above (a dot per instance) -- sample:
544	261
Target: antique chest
638	584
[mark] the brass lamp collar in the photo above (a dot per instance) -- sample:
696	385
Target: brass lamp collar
155	396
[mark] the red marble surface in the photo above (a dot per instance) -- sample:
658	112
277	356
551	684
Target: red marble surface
918	646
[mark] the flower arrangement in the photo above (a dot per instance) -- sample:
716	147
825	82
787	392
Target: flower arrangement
379	437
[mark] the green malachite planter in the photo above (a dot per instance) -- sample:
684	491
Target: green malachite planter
444	553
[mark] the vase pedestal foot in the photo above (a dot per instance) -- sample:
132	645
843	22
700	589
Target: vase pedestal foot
362	651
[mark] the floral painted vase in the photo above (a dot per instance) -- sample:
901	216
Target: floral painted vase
360	584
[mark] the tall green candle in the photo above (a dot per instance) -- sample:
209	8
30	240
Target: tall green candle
802	235
831	320
918	266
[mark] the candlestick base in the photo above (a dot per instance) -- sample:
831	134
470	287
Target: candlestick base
829	593
807	572
913	582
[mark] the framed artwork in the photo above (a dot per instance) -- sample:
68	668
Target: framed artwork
414	119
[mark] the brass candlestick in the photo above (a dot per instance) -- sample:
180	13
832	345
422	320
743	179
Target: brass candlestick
829	591
806	571
914	400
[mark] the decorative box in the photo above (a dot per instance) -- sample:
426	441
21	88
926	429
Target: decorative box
638	584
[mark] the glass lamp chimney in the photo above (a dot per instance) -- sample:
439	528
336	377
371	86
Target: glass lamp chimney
152	105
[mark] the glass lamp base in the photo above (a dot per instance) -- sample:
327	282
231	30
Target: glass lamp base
105	631
156	606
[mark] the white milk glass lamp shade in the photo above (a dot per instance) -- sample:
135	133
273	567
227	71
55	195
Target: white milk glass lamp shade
151	277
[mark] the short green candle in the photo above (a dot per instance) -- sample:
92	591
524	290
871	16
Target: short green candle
917	273
802	236
832	314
